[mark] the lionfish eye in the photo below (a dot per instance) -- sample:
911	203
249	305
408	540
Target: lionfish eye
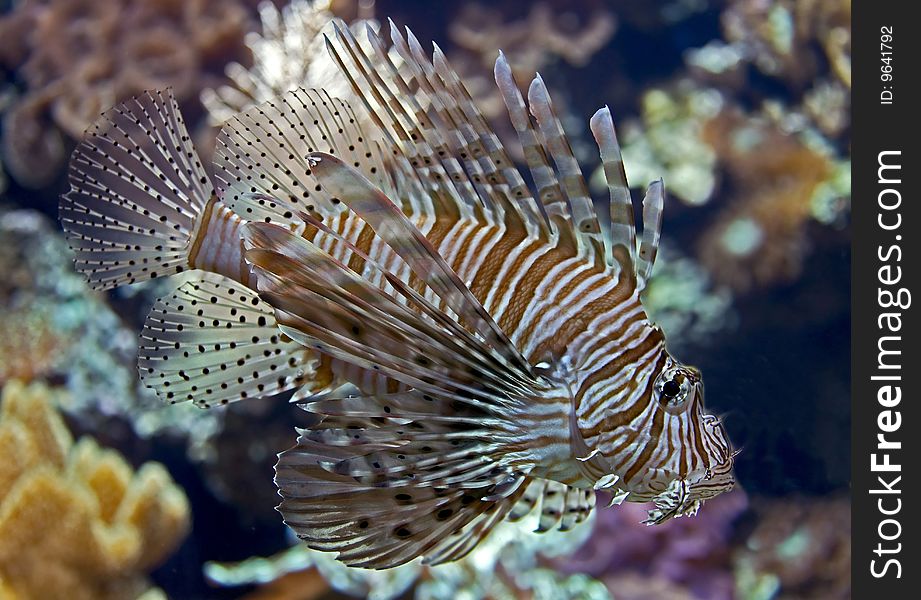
673	388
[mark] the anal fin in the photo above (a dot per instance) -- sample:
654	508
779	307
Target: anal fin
213	341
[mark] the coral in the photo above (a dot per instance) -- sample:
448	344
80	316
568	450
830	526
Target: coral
760	238
508	564
547	33
52	326
828	105
668	143
75	521
77	57
771	172
531	42
804	43
682	299
33	152
29	345
800	548
630	586
781	38
289	53
684	558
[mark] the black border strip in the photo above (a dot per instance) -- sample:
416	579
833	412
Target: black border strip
884	273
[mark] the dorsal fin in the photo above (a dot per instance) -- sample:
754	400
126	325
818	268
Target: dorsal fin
264	150
623	225
411	135
548	186
653	204
499	165
584	221
436	125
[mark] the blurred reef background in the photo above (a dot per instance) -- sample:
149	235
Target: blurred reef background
741	105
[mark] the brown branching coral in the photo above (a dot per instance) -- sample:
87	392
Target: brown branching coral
546	34
790	38
75	521
761	237
533	41
77	57
803	546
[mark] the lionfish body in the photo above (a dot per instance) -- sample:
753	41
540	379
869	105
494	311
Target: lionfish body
476	347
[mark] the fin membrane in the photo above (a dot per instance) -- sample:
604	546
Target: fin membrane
214	341
137	188
560	506
264	149
363	487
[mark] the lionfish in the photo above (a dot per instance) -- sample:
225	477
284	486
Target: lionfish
474	346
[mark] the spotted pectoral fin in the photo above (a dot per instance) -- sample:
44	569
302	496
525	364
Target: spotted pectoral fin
213	341
381	525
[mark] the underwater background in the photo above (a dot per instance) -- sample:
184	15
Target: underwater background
742	106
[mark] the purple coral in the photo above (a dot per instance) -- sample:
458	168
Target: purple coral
690	553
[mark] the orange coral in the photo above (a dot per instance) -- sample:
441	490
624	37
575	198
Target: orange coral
29	346
760	238
75	521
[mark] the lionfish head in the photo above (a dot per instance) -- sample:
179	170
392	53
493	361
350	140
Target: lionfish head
672	453
701	467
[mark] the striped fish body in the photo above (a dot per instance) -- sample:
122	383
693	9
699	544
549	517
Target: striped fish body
476	348
554	305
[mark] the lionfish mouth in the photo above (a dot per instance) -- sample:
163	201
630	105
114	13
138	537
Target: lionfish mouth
675	501
684	497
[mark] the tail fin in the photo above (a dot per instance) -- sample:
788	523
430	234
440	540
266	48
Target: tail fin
137	189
